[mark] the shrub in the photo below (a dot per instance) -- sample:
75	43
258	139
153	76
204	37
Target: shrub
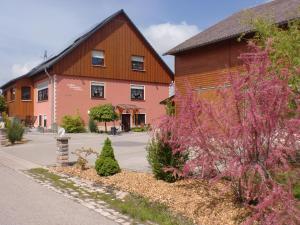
139	129
106	164
83	154
6	120
73	124
244	135
93	126
15	131
3	105
163	161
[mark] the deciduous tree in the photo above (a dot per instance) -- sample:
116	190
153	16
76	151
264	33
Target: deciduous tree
245	135
104	113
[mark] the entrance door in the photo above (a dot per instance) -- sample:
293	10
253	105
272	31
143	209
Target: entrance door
126	122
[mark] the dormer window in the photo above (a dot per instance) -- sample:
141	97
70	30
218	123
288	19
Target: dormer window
97	58
137	63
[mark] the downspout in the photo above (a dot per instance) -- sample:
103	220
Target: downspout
51	80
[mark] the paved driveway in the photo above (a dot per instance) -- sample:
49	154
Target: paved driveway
25	202
129	148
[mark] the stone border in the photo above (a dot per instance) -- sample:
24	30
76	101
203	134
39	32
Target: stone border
97	206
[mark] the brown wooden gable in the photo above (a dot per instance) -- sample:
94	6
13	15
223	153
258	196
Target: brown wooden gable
119	39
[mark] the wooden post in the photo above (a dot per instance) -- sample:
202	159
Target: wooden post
2	136
62	152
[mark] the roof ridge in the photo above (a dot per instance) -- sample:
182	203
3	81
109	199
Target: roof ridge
221	30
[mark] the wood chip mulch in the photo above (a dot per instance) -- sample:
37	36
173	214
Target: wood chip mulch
209	204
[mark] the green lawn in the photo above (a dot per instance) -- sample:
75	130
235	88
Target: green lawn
136	207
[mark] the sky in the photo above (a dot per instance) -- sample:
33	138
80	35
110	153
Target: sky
29	27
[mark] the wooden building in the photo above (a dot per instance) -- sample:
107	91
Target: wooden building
204	59
112	63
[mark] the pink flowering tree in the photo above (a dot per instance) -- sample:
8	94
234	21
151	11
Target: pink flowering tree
244	135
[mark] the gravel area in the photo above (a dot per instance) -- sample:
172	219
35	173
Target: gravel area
210	204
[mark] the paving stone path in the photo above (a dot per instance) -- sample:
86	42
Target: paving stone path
82	195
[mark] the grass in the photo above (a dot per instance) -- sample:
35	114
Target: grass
139	129
136	207
294	176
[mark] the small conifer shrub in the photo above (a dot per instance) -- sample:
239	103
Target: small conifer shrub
106	164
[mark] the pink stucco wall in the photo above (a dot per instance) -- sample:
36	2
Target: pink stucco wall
73	96
42	108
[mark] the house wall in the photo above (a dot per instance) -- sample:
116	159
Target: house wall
119	40
207	66
73	96
44	107
18	107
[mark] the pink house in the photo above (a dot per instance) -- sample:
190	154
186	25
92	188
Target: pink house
112	63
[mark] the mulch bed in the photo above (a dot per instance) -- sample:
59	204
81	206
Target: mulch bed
204	203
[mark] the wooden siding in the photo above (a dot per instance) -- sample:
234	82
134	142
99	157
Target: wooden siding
20	108
119	41
208	66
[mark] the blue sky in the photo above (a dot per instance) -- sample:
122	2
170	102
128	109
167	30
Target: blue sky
29	27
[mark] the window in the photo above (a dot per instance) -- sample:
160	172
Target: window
97	90
139	119
43	94
26	93
137	92
97	58
12	94
137	63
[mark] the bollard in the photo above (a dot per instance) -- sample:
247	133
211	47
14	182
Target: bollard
62	152
2	137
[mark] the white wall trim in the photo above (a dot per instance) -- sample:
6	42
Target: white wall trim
54	99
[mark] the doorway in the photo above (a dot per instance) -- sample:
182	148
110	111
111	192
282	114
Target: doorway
126	122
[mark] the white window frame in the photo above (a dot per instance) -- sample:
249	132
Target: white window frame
145	119
99	83
135	85
41	86
138	58
100	57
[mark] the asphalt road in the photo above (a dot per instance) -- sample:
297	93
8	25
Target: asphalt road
25	202
129	148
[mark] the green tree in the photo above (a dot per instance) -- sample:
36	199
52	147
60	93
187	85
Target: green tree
285	42
104	113
3	105
106	164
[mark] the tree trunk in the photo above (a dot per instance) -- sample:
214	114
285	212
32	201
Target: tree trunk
105	127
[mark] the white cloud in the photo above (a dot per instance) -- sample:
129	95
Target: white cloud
165	36
21	69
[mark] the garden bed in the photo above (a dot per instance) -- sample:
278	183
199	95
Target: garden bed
202	202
